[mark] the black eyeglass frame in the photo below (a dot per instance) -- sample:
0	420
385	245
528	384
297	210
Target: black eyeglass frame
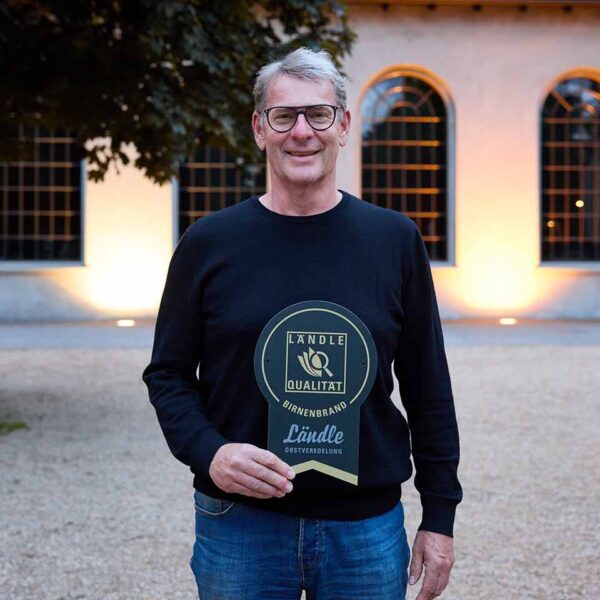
301	110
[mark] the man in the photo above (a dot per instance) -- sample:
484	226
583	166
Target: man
263	531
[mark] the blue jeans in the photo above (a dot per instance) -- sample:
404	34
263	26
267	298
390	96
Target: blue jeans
246	553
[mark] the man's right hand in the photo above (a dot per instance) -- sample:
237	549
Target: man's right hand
251	471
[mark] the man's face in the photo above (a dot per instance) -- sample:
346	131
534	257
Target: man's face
301	156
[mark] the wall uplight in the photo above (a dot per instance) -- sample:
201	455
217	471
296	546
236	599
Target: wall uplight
507	321
125	323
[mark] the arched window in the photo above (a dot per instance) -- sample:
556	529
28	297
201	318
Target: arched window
570	207
40	200
214	180
404	154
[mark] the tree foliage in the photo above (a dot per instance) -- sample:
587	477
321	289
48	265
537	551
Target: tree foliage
163	75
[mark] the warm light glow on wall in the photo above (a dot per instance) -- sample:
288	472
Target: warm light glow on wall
127	277
507	321
494	283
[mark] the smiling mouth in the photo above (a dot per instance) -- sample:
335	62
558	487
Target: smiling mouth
307	153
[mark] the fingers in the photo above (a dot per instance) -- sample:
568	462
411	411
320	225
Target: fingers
262	482
444	566
416	565
267	473
238	488
433	552
251	471
273	462
429	589
443	578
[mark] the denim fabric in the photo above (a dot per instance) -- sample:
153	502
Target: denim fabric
246	553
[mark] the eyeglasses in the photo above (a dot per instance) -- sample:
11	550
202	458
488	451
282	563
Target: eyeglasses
283	118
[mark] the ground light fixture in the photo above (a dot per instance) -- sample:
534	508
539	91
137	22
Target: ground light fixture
125	323
507	321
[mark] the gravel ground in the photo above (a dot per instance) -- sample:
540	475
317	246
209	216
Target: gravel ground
93	505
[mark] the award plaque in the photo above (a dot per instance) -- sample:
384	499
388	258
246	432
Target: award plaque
315	363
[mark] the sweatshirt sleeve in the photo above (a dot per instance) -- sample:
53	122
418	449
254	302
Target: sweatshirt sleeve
426	393
173	386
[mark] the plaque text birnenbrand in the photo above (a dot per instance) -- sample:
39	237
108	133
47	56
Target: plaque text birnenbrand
315	363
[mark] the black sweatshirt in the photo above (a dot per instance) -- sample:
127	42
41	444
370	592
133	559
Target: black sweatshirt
235	269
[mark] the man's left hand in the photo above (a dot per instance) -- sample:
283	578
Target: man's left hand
435	552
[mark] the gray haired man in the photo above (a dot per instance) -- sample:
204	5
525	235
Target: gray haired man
263	530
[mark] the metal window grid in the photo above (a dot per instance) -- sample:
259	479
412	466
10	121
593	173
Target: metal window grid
40	200
213	180
404	158
570	186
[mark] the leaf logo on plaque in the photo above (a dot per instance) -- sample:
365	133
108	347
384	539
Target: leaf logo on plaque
315	363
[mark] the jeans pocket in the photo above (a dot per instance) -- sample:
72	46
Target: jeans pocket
211	507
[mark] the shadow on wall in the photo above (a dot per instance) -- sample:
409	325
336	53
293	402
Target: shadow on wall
32	297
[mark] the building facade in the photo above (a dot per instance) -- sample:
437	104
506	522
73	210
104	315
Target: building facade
481	121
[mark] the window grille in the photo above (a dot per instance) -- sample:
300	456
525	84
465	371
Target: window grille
40	200
570	187
214	180
404	154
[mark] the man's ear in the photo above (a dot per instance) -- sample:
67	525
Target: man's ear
345	127
258	129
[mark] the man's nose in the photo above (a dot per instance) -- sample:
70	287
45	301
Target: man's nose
301	128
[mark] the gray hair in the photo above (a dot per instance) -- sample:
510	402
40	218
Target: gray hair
303	63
